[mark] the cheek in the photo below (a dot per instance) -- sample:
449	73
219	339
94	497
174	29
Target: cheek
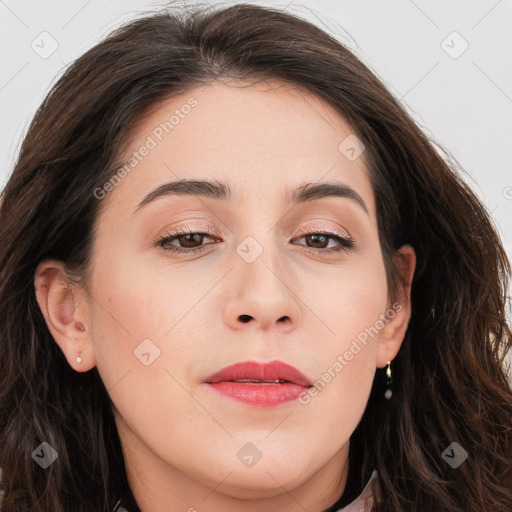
136	301
146	320
144	348
350	302
351	309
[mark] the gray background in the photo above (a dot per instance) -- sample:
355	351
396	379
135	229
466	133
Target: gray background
462	99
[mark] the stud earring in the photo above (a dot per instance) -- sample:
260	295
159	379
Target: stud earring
389	392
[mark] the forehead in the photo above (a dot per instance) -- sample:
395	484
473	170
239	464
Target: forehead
269	136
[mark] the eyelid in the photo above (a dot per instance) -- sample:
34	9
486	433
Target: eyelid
316	229
192	228
211	230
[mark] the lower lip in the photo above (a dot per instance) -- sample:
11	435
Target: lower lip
260	395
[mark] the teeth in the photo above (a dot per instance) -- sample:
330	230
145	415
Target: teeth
261	381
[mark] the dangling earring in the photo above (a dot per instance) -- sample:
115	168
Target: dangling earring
389	392
79	359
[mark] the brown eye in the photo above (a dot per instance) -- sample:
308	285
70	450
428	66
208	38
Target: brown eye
183	241
319	242
191	239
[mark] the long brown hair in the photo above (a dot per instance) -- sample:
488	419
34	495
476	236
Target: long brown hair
449	379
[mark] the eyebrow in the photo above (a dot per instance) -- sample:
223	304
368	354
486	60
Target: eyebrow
217	190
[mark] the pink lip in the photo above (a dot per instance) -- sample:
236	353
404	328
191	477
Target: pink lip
263	393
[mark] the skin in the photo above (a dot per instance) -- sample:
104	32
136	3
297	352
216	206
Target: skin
179	437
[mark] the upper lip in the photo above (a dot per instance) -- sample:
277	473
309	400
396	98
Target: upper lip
275	370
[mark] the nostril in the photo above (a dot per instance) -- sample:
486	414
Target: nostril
245	318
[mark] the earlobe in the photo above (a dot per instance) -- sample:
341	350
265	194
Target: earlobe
64	314
399	312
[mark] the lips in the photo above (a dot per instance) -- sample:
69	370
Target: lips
264	385
275	372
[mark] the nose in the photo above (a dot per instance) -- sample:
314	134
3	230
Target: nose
261	296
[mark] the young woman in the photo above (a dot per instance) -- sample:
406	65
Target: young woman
236	276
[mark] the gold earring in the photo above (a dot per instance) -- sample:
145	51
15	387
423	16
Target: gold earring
81	328
389	392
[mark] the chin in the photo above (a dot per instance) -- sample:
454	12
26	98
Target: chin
264	480
248	486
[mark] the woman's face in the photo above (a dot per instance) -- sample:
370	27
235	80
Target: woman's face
266	283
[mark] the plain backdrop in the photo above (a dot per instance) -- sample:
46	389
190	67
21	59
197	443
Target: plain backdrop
449	63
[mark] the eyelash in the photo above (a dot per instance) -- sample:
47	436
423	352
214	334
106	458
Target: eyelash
345	242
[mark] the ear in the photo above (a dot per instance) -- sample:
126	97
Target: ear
63	305
398	313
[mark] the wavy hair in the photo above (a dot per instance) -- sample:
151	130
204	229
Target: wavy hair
450	384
